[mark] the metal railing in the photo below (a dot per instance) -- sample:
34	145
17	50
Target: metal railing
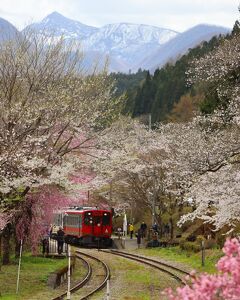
51	246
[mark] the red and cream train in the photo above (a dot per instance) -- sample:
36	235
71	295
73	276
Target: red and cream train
87	226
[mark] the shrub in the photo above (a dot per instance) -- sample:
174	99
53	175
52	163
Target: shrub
210	244
200	239
192	238
190	246
221	240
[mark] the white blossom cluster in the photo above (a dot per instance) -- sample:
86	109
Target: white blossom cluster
199	160
50	112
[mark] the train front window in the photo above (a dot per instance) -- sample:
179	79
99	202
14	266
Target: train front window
106	219
97	220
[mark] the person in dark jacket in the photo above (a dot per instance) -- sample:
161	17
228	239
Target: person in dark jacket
60	240
45	244
139	236
155	227
144	229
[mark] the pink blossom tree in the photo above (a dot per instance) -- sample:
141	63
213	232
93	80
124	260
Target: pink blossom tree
223	285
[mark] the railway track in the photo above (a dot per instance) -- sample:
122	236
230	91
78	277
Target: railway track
177	273
103	282
83	284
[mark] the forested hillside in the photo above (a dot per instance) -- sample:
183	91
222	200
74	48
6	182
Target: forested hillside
127	84
157	94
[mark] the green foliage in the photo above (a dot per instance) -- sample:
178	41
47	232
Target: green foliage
126	82
196	245
221	239
236	28
187	258
127	85
200	239
34	274
158	93
190	246
211	244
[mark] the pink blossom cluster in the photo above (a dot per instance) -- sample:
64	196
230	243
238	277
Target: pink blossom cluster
3	220
224	285
36	214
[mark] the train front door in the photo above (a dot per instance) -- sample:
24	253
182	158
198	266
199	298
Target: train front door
97	225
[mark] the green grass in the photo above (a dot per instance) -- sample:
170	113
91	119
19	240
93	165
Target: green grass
33	277
192	260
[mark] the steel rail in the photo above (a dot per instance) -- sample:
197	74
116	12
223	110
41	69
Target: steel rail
106	278
151	262
82	282
155	261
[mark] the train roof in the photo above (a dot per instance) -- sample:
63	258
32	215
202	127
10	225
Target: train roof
84	208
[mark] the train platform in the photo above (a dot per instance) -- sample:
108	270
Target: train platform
127	243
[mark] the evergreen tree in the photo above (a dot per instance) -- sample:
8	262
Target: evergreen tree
157	94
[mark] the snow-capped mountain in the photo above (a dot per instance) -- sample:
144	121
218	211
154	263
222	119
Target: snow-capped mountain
125	45
59	25
124	42
128	42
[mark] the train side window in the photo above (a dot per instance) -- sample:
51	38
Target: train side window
71	220
106	219
80	221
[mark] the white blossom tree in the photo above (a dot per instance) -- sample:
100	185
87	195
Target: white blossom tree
200	159
50	115
47	110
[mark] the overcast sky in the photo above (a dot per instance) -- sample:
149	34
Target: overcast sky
174	14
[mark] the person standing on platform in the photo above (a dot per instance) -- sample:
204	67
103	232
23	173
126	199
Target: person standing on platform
155	227
139	236
45	244
131	229
119	232
144	229
60	240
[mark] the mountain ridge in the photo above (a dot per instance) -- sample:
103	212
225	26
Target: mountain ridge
180	45
128	46
126	42
7	30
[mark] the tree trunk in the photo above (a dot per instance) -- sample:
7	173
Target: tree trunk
160	228
17	248
0	251
6	235
171	227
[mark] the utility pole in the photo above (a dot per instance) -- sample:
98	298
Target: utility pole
153	200
69	273
154	177
153	209
108	290
149	121
88	196
110	192
19	265
203	253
